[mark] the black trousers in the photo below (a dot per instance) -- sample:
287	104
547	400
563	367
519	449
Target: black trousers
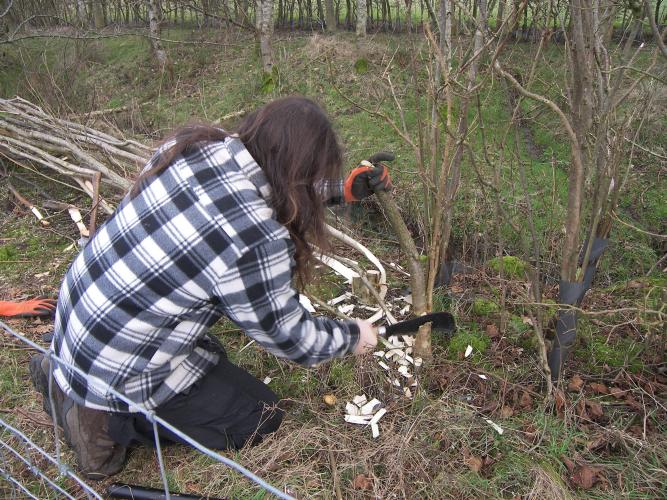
225	409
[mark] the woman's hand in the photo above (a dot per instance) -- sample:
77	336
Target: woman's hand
368	338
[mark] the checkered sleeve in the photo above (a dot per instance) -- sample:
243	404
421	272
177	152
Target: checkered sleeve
332	191
258	296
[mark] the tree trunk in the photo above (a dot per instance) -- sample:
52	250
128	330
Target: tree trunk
330	16
264	17
81	13
361	17
154	18
98	15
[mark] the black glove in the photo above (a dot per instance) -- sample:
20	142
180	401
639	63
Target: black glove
369	177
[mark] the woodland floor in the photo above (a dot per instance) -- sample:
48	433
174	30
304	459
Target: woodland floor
603	435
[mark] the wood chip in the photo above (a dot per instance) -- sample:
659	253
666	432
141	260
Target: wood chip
409	341
497	428
352	409
359	400
267	380
371	407
376	418
339	299
346	309
357	419
383	365
407	392
403	370
375	430
418	361
394	353
379	354
483	377
396	382
468	351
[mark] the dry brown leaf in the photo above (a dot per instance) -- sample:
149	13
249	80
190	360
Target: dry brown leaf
595	409
526	320
581	409
506	411
575	384
617	392
526	401
560	401
597	443
474	463
362	482
633	403
599	388
492	330
568	463
585	476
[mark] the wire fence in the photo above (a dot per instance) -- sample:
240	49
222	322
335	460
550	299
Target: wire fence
16	445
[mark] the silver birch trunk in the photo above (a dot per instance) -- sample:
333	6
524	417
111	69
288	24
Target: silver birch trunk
361	17
330	15
264	24
81	13
154	18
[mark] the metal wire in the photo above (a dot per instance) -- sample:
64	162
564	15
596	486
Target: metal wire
152	417
67	471
15	483
33	469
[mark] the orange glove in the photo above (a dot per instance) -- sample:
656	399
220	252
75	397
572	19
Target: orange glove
28	308
369	177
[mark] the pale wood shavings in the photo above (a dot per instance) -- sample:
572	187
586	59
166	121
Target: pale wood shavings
357	419
359	400
371	407
380	413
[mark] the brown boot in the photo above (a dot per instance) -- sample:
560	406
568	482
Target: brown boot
85	430
39	374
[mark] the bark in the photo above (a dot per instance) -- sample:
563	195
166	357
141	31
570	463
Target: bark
81	13
361	18
154	18
264	32
330	15
408	246
98	14
657	36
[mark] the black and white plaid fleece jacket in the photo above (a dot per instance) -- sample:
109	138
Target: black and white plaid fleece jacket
199	242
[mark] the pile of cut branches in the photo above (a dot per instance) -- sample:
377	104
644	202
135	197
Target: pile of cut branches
32	138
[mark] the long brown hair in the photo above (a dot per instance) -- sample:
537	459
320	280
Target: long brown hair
294	143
